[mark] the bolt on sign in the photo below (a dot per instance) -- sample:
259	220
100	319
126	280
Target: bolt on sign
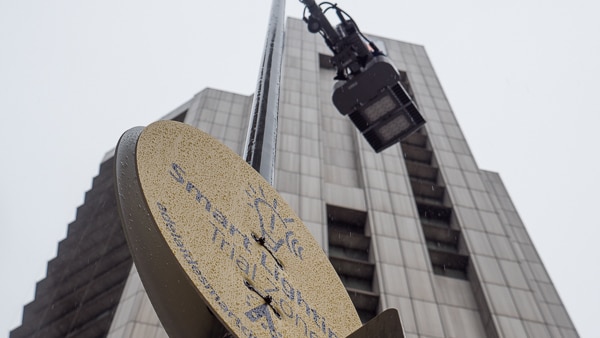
213	241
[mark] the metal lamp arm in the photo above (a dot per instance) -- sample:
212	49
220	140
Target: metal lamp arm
350	51
318	16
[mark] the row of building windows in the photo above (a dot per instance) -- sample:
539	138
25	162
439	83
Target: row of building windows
349	251
442	238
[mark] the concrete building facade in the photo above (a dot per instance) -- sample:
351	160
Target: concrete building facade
419	227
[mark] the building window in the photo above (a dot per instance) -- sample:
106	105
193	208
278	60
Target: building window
180	117
349	249
325	62
406	84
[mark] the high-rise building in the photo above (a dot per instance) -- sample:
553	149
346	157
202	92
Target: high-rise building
418	227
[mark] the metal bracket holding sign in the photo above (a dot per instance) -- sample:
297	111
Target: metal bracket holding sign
385	325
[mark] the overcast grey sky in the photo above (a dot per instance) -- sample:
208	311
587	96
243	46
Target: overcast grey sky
522	78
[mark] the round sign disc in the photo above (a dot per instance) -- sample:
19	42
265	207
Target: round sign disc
212	239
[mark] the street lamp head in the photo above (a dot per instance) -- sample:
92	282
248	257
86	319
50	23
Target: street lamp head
378	104
368	88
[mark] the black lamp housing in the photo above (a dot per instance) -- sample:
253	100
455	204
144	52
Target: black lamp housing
378	104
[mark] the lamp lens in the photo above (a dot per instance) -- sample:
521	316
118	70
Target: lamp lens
394	127
379	108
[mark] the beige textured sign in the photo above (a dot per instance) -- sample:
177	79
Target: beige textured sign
201	222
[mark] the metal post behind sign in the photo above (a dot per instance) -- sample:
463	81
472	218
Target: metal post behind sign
261	139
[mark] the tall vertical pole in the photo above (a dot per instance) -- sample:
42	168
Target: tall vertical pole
261	139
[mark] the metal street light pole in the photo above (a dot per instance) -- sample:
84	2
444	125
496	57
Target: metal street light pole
261	139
